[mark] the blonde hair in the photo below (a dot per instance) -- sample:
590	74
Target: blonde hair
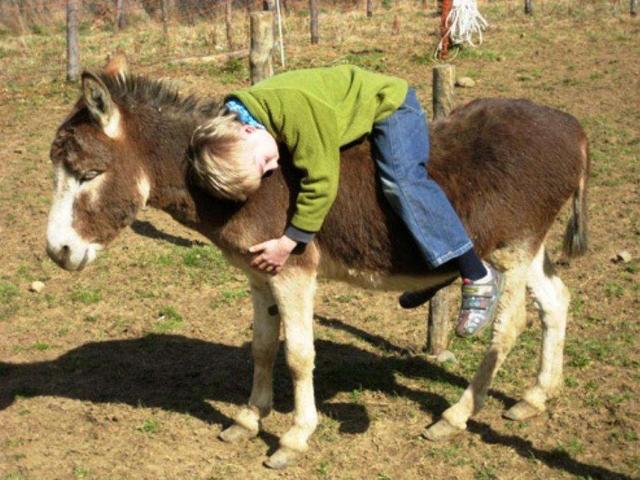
221	164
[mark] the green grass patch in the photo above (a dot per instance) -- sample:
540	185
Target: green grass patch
572	447
8	292
168	320
86	295
37	346
80	473
227	297
149	426
15	475
370	59
205	258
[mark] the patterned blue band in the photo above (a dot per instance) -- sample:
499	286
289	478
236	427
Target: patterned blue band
234	105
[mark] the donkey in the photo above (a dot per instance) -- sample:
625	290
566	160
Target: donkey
508	167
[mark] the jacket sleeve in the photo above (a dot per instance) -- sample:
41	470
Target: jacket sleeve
309	129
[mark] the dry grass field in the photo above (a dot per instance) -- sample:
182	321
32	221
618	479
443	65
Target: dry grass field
131	368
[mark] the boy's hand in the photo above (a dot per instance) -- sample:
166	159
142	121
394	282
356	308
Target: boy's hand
272	254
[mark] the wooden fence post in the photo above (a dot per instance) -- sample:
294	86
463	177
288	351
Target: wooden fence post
369	8
165	16
633	8
443	94
228	24
120	19
260	64
528	7
313	16
440	306
73	49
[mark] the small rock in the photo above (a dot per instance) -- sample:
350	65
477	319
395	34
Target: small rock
37	286
465	82
446	356
622	257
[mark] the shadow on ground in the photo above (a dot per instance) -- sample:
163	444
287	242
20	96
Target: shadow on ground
147	229
180	374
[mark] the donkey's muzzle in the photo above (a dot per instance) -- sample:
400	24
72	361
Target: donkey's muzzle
62	257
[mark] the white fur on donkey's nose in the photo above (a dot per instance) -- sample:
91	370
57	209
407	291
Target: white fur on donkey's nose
64	245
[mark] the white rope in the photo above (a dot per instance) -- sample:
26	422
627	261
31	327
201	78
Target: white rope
463	22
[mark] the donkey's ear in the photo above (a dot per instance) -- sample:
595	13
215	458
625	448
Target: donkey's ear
100	104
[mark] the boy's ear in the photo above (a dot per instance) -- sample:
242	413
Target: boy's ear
100	104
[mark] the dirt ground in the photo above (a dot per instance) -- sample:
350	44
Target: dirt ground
130	369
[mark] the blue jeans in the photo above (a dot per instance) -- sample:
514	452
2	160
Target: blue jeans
400	146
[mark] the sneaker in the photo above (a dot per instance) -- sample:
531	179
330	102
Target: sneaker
415	299
479	303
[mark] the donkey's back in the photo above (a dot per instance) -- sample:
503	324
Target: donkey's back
508	166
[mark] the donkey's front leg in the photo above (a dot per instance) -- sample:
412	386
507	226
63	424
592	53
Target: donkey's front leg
294	290
266	331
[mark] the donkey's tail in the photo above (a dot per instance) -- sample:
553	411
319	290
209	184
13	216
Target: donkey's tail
576	235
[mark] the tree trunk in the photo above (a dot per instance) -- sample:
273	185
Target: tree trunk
369	8
73	48
633	8
313	15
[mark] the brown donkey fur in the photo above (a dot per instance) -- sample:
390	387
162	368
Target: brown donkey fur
508	167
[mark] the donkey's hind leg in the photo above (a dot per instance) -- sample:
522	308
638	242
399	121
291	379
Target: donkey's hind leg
294	290
552	297
266	331
509	322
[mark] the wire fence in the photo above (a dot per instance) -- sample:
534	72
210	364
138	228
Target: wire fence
33	32
31	16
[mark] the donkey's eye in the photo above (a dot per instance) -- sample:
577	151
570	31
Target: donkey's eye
90	175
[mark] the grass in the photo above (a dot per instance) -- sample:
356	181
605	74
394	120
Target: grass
86	295
168	320
8	292
80	473
150	426
572	447
14	475
229	297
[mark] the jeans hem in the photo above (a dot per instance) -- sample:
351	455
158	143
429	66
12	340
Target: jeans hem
452	254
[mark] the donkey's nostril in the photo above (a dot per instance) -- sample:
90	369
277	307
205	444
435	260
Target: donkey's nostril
65	253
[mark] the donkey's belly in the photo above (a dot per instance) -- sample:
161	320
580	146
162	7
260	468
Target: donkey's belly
333	269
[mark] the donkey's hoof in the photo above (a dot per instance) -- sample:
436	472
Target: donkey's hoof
522	410
440	431
236	433
283	458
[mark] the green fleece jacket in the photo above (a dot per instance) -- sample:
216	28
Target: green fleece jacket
314	112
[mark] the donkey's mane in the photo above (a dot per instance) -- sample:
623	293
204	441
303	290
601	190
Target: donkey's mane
162	94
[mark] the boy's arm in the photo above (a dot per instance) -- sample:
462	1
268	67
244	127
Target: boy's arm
309	129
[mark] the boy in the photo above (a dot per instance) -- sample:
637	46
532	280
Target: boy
313	113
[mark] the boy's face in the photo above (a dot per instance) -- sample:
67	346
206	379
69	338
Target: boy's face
262	148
